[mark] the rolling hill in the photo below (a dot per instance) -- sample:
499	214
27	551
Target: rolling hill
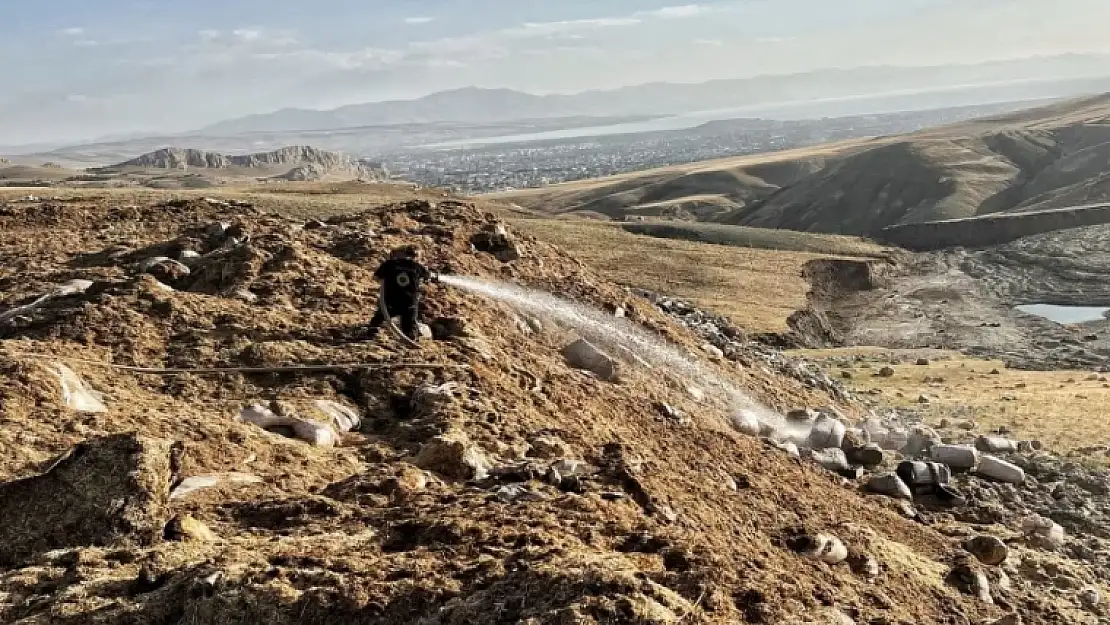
295	163
1044	158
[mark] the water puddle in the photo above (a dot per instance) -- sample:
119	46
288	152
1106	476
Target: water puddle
1065	314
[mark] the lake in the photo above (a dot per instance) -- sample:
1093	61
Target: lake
1065	314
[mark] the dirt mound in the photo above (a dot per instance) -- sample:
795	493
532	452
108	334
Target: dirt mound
488	482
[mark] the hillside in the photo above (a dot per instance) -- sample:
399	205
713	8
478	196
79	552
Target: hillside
1048	157
940	86
484	481
295	163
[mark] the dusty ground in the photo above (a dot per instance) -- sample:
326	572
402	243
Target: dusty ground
964	300
359	534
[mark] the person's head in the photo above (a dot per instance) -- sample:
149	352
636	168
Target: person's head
410	252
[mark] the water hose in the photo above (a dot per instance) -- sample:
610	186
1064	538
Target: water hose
389	320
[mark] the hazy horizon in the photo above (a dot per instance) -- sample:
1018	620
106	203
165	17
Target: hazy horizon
78	70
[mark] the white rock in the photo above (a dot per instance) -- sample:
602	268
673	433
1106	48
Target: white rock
827	433
1045	533
959	457
828	549
582	354
200	482
746	422
888	484
75	394
1000	470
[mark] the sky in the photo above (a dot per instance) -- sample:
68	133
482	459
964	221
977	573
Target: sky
78	69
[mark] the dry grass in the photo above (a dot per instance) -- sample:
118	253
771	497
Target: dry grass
1067	410
756	289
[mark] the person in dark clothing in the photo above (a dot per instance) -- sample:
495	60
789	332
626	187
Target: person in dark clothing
401	277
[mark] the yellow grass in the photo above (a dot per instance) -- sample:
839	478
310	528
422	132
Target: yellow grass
756	289
1067	410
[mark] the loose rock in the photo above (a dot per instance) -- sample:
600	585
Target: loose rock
581	354
987	549
185	528
888	484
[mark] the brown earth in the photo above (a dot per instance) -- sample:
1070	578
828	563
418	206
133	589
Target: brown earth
358	534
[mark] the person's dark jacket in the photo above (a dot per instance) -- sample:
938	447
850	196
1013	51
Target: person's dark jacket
402	278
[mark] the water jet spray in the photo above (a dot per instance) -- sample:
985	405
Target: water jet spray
614	332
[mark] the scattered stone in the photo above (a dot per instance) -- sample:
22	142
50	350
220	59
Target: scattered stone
971	579
495	239
714	352
959	457
581	354
790	448
104	491
747	423
921	441
1090	597
1043	533
987	549
870	455
567	467
922	362
673	414
924	399
188	257
1000	470
455	456
996	444
185	528
196	483
886	372
164	269
995	372
314	224
827	433
512	493
967	425
824	547
847	375
76	394
802	415
888	484
832	459
548	447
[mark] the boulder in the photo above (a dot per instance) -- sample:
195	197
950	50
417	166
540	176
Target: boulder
1000	470
747	423
164	269
103	492
886	372
987	549
582	354
888	484
1043	533
959	457
548	447
827	433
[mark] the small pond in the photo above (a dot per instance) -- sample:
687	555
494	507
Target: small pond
1065	314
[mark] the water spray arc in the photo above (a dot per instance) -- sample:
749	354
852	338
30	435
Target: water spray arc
606	330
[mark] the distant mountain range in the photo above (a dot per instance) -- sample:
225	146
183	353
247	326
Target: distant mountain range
1038	77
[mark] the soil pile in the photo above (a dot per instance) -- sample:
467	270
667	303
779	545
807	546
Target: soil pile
514	490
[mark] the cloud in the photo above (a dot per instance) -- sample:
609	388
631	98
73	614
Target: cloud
209	35
543	29
419	20
72	32
247	34
716	43
685	10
